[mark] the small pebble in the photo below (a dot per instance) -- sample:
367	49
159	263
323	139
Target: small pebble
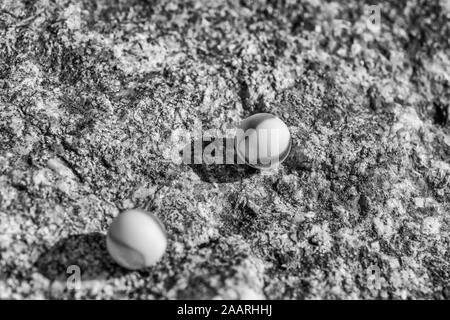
136	239
263	142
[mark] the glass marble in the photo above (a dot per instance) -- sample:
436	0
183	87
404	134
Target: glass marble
262	141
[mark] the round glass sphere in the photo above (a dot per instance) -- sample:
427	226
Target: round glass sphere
136	239
263	141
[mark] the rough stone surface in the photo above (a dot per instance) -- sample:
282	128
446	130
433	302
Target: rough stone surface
90	92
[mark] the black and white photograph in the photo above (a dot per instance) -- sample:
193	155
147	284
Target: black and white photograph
231	150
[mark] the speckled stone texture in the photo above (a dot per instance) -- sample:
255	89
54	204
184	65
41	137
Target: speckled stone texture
90	92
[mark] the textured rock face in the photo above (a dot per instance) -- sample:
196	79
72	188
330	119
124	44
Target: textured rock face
90	93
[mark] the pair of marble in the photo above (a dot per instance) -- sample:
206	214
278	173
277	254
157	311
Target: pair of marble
137	239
